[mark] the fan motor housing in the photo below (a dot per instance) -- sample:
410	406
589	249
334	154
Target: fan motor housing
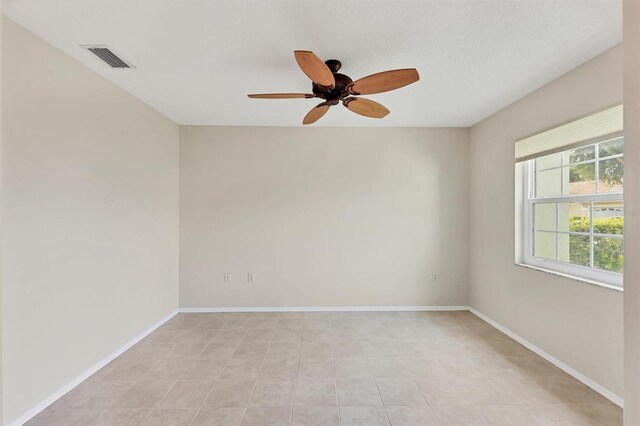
339	91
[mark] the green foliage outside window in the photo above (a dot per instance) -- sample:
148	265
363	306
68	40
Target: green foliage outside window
611	170
608	253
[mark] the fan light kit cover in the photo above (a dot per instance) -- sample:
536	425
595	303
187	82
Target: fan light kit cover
334	87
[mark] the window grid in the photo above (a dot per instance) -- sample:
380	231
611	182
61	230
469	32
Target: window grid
591	262
590	198
591	234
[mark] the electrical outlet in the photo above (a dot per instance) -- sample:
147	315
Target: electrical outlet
227	277
251	277
435	277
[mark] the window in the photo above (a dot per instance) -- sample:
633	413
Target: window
572	209
570	206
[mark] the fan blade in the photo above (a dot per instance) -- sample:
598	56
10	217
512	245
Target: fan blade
315	69
281	96
315	114
366	107
384	81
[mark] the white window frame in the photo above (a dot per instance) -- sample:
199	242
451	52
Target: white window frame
529	200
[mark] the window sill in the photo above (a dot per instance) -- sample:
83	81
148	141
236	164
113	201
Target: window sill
572	277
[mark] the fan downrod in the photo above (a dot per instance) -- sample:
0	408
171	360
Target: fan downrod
334	65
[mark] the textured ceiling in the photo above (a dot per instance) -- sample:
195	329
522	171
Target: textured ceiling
196	60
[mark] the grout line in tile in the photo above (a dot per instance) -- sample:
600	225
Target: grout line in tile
156	404
256	382
214	384
295	382
335	379
427	400
133	383
381	400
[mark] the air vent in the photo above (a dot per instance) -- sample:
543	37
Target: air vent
107	55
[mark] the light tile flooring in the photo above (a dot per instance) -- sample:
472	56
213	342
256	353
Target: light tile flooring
329	368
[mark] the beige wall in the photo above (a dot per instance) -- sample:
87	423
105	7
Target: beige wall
90	211
323	217
579	324
632	219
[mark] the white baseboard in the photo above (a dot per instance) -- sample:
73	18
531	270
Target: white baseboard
561	365
87	373
327	309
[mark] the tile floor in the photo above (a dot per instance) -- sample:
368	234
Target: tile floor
329	368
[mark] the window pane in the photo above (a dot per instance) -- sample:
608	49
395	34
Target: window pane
580	154
582	179
608	217
545	217
574	249
574	217
549	161
613	147
608	253
611	175
545	245
549	183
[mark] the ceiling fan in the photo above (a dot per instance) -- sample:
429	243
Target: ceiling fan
334	87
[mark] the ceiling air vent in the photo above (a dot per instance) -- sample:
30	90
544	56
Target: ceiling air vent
107	55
